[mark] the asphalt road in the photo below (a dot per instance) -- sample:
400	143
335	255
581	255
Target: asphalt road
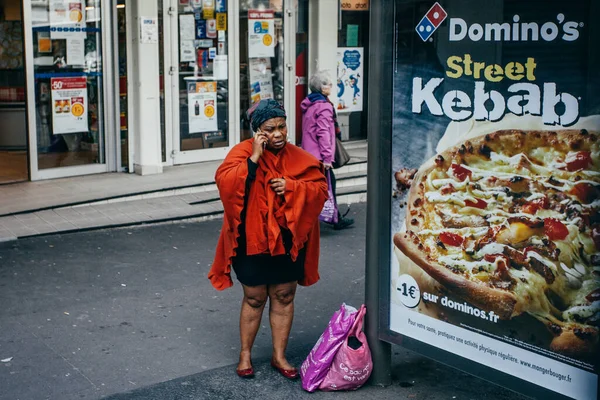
129	314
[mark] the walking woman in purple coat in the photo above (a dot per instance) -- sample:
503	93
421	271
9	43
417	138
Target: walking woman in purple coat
320	128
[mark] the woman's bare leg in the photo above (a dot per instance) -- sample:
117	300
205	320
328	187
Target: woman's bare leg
281	315
253	305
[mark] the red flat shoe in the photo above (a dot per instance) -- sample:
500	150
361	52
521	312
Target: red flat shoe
287	373
247	373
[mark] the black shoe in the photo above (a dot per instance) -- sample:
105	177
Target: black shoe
343	223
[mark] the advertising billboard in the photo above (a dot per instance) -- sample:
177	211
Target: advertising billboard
495	161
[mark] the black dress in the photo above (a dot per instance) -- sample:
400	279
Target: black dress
265	269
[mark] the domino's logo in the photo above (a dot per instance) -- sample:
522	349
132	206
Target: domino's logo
431	21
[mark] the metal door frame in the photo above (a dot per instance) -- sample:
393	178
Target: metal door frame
171	73
109	102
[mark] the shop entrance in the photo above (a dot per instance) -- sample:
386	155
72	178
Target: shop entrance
215	68
13	128
198	70
72	106
267	57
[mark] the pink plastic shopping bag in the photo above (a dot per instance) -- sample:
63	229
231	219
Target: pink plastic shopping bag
329	213
315	367
352	364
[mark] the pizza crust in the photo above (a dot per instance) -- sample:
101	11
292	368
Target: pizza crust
501	302
570	344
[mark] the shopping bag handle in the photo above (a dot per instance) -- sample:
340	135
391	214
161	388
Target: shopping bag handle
358	322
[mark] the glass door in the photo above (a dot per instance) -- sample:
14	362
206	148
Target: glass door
200	65
13	127
66	95
266	30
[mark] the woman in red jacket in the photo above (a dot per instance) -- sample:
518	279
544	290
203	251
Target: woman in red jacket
272	194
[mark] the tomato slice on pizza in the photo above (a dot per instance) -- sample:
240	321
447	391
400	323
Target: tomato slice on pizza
510	222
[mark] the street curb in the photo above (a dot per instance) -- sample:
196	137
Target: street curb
8	239
208	215
123	225
120	196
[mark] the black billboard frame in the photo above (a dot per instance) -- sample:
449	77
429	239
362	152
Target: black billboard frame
382	44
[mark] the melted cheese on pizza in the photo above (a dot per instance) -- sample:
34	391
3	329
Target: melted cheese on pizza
522	223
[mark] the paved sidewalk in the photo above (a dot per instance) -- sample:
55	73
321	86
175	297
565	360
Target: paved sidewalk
203	203
26	196
113	200
41	195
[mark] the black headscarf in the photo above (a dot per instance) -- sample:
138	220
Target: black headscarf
263	111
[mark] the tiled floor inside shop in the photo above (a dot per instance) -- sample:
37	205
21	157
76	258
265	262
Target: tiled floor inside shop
13	166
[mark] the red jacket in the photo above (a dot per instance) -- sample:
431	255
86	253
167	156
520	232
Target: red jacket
297	210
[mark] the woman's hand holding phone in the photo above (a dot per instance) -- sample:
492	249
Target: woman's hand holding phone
259	145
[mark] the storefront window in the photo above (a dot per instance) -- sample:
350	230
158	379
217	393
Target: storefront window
13	129
203	74
261	55
67	62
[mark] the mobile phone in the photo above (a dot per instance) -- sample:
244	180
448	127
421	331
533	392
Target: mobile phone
264	143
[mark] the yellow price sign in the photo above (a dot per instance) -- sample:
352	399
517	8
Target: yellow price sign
208	13
267	40
77	109
75	15
221	21
209	111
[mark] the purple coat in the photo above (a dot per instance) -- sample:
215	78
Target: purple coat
318	129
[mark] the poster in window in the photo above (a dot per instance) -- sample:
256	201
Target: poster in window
220	67
187	27
261	39
44	42
75	51
202	107
350	78
221	6
221	22
69	105
261	79
211	28
67	19
187	51
208	9
495	241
